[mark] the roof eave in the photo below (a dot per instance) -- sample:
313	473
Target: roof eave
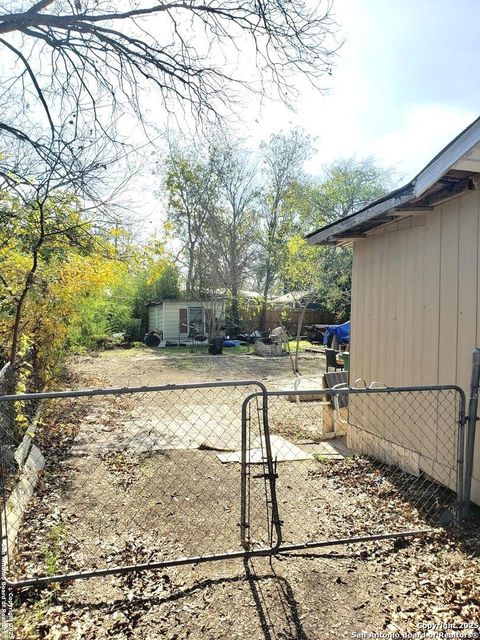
431	174
332	233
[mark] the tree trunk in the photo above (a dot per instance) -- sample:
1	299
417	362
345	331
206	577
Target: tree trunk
234	311
266	291
301	316
292	362
29	280
18	314
188	284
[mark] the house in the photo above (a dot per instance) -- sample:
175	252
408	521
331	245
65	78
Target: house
416	283
295	306
180	319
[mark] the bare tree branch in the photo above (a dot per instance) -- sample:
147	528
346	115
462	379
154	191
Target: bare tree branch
77	60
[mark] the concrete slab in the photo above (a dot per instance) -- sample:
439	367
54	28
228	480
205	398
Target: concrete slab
335	449
312	383
188	426
18	501
282	451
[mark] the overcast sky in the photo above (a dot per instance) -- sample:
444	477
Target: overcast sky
405	83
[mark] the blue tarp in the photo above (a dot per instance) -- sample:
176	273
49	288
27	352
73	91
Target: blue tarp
231	343
342	331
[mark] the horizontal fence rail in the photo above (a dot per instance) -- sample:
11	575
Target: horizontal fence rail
369	463
134	478
109	481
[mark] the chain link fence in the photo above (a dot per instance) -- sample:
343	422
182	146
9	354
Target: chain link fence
116	480
356	463
133	477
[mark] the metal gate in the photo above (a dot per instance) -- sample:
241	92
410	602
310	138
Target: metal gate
133	479
142	478
366	464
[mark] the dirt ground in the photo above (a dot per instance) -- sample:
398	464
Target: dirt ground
137	367
140	505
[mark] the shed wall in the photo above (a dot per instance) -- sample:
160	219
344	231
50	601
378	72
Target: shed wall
155	317
415	301
169	318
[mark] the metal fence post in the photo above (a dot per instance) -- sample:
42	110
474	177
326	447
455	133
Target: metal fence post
472	425
4	629
460	484
244	474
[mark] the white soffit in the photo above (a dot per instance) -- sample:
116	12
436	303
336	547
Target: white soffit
458	151
462	154
470	161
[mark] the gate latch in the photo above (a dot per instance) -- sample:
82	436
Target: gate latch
266	475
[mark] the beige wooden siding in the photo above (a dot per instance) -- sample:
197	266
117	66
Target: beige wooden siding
415	307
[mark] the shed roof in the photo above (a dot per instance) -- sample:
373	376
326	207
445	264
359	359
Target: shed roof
185	301
449	173
294	297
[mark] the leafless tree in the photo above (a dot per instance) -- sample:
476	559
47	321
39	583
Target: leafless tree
284	156
233	232
213	195
71	69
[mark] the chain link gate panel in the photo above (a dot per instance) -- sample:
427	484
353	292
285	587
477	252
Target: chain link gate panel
365	464
135	478
159	476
